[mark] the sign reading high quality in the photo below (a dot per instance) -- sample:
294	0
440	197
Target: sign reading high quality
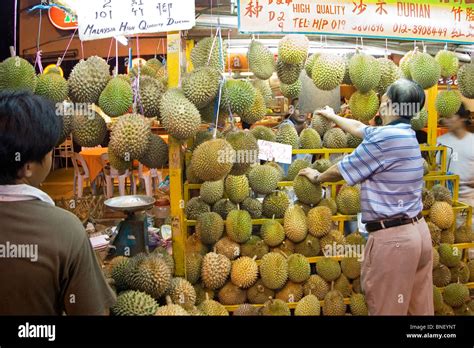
108	18
433	20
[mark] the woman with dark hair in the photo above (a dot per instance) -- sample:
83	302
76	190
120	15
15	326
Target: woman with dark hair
47	265
397	266
460	143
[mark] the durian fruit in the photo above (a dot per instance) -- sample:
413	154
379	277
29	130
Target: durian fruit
456	294
356	286
273	270
358	305
290	293
460	273
194	245
152	276
272	233
299	269
464	234
191	177
257	110
447	236
441	276
275	204
195	207
203	293
328	269
210	160
310	139
118	163
67	122
162	253
470	266
286	248
157	154
295	167
201	86
117	97
319	221
351	267
275	307
182	293
405	64
193	267
365	72
330	203
151	91
130	137
142	70
204	135
238	96
353	141
246	310
449	63
294	222
237	188
425	70
264	87
442	215
179	116
88	130
328	71
449	256
334	237
253	206
306	191
334	304
280	170
463	310
308	67
254	247
465	80
209	52
246	150
154	63
390	73
335	138
355	238
442	194
118	270
309	247
348	200
259	293
231	294
261	60
227	247
364	106
288	135
213	308
263	133
244	272
420	120
291	91
343	285
321	124
321	165
308	306
17	74
88	79
293	49
448	103
209	227
263	179
133	303
436	262
238	226
52	86
212	191
215	270
437	299
288	73
317	286
223	207
445	310
427	198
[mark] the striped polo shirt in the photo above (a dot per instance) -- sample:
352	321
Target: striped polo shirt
389	166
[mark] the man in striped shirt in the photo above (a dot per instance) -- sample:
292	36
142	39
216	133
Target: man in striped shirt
397	268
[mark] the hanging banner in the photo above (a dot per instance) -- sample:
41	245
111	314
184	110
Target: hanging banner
430	20
61	19
100	19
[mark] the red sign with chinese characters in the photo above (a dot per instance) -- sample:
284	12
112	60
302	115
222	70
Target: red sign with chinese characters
61	19
430	20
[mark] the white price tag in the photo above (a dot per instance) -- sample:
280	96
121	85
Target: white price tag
100	19
269	151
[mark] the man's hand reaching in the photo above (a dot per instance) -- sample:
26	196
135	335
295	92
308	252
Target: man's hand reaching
311	174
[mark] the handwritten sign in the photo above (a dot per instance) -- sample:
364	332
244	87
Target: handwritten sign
269	151
108	18
430	20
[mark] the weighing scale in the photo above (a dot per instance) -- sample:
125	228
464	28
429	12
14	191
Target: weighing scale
131	236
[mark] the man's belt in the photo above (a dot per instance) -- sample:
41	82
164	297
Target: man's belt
379	225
